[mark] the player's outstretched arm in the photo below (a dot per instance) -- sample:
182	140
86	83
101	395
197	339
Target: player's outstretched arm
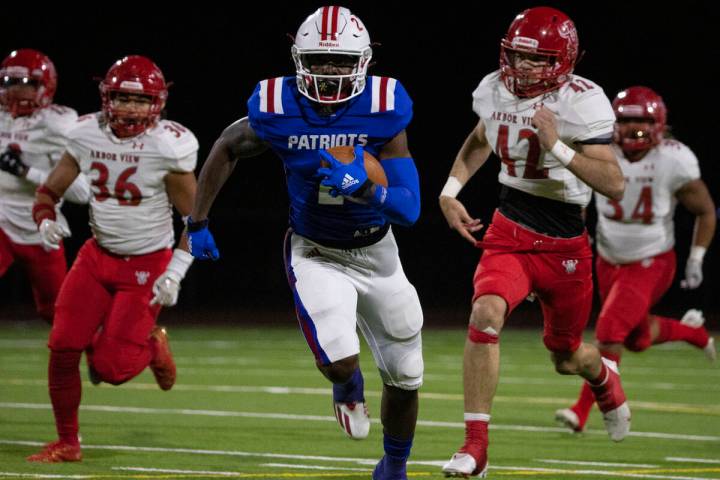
236	141
695	197
472	155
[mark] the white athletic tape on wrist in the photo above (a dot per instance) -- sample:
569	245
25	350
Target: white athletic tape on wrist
697	253
180	262
452	187
562	152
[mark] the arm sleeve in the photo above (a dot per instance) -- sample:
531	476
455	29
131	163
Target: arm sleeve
399	203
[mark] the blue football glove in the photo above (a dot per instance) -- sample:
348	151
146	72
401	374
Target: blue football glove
200	240
345	180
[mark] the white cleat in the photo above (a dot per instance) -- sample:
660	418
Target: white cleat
354	419
617	422
569	419
693	318
463	465
710	351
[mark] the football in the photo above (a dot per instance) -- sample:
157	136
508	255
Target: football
374	170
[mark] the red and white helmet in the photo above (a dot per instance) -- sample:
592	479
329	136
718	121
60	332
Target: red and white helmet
331	30
643	105
545	32
27	67
136	75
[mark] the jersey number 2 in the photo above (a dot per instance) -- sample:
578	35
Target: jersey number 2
533	155
122	186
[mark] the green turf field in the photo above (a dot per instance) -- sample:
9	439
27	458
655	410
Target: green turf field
250	404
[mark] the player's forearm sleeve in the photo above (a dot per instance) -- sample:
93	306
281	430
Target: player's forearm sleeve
400	202
79	190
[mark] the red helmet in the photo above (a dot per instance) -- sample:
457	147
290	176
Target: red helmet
27	67
643	105
135	75
544	32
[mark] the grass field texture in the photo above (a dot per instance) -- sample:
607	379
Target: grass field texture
249	403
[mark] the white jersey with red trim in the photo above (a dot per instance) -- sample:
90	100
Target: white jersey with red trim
42	138
130	213
583	113
641	225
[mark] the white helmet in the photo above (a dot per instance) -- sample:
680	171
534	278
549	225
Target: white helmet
331	31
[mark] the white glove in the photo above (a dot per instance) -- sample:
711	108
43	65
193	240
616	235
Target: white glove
693	269
51	232
167	286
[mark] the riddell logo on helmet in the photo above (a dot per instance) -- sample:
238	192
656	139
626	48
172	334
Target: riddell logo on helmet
131	85
525	42
329	44
15	70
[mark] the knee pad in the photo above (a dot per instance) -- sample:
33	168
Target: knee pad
402	365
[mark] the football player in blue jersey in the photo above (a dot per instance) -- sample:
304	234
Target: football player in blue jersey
341	257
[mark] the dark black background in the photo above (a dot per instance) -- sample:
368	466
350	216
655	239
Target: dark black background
440	51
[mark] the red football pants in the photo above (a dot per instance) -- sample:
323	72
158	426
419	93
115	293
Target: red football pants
628	292
104	307
517	261
46	271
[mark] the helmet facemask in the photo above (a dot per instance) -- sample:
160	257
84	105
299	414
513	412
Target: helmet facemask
637	134
641	120
130	113
20	96
529	72
317	78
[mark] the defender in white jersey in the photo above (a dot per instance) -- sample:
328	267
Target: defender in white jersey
140	166
635	239
33	136
551	130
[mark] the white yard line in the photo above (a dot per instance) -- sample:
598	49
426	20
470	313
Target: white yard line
597	464
285	390
313	467
362	461
321	418
692	460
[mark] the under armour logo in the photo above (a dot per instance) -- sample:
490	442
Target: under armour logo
142	277
570	265
348	181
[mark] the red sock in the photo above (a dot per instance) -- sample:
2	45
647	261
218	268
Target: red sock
585	402
65	391
672	330
476	440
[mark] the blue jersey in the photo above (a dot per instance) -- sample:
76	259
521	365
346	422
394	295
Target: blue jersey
289	123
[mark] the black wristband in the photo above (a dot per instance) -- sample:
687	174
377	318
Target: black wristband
196	226
360	192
